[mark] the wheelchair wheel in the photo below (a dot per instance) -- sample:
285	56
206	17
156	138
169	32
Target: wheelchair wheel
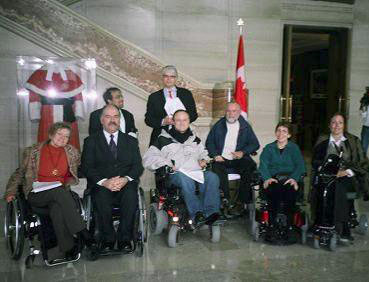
256	234
304	229
14	229
29	261
214	233
143	215
87	217
139	248
173	236
363	224
138	234
333	243
158	219
316	243
251	211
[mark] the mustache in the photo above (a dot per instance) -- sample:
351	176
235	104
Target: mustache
112	123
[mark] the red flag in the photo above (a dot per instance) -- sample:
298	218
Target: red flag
241	92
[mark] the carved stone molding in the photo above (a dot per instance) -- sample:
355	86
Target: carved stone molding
68	2
320	12
59	29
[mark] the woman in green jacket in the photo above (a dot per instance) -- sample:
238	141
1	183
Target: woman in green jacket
282	167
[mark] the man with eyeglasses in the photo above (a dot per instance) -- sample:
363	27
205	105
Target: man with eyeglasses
164	103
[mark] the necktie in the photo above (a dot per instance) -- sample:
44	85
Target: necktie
170	94
113	147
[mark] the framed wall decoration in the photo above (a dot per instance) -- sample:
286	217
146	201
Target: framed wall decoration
319	84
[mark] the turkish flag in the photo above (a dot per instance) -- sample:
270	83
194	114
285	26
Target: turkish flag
241	92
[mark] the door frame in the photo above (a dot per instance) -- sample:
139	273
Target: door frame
316	24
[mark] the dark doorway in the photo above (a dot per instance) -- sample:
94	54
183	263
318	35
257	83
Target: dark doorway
314	80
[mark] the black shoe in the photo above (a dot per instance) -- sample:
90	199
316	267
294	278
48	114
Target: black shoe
92	252
365	196
199	219
72	254
125	247
346	233
106	247
212	218
87	239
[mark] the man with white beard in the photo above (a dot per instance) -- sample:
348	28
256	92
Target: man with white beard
230	142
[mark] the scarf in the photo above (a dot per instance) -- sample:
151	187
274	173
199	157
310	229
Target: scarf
180	137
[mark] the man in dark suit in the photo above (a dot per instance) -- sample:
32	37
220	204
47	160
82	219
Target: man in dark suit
163	103
114	96
111	161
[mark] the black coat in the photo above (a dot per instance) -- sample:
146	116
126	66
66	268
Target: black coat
155	111
95	124
358	162
98	162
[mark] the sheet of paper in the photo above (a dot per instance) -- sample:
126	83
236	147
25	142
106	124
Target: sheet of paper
197	175
173	105
43	186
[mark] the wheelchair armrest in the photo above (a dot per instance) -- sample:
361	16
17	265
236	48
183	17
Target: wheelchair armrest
163	171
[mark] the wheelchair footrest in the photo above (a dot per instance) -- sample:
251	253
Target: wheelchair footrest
219	222
113	253
60	261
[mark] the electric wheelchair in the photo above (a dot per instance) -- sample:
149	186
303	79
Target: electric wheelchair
168	211
140	233
280	232
233	207
25	223
324	229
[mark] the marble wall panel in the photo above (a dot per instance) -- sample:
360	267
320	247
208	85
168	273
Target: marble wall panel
11	46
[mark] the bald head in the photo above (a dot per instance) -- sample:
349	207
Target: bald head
233	111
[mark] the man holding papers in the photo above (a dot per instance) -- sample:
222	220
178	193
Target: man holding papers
163	103
46	172
180	149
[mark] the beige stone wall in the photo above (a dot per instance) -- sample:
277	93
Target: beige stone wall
359	63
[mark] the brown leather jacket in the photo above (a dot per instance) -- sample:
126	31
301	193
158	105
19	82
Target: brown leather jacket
27	173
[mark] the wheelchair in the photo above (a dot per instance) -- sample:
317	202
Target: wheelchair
23	222
168	211
140	233
234	208
261	227
324	229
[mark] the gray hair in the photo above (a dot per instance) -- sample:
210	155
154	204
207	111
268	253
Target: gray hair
171	69
104	109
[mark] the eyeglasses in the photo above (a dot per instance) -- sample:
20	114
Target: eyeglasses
169	76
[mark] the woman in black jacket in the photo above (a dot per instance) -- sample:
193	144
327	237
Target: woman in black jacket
353	174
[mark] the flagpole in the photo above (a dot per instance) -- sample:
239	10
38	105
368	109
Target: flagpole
240	24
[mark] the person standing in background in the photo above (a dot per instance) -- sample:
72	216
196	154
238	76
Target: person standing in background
164	103
364	111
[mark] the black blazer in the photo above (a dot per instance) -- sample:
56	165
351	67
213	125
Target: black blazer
95	124
98	162
155	111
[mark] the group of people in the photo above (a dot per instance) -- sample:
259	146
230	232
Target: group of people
111	162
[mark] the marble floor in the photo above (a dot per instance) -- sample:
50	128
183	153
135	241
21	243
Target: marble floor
235	258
